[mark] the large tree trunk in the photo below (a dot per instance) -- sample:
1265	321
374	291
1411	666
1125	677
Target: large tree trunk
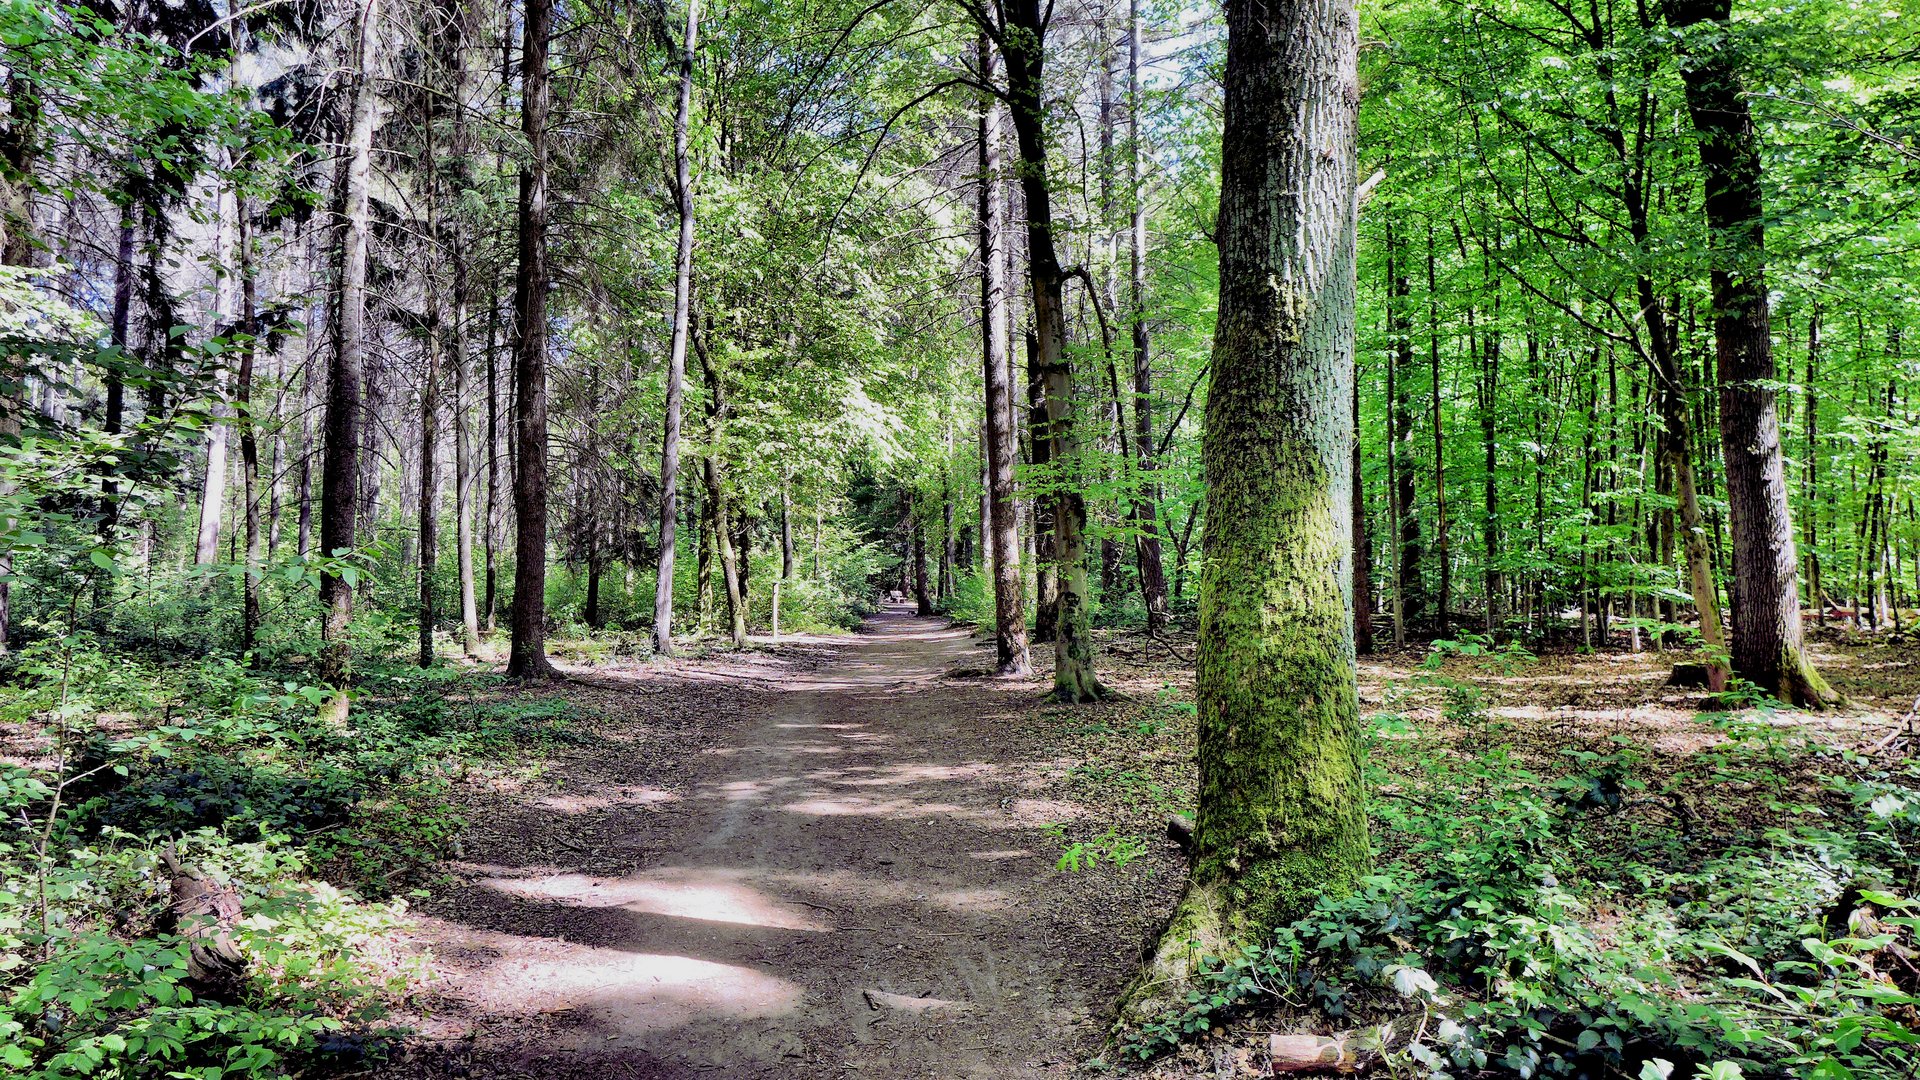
1768	648
1153	573
527	657
677	352
1281	819
1011	654
340	477
1023	45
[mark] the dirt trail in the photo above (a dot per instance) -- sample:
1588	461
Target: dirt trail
847	880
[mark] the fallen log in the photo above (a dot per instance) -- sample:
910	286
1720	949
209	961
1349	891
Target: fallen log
204	911
1344	1052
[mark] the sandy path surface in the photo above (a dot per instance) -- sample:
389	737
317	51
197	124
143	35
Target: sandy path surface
847	879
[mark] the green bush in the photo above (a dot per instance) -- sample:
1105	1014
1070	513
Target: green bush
1543	933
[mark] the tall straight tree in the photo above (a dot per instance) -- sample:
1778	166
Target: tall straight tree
1012	655
1281	817
340	479
677	351
465	24
1021	31
527	656
1768	644
1153	573
213	487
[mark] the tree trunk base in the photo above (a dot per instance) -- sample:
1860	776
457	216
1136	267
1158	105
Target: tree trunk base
1193	936
1802	686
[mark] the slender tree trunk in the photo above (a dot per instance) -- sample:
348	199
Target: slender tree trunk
1362	545
1442	556
490	531
1023	46
249	436
1281	820
527	657
786	531
429	492
1409	596
303	514
1011	652
717	515
703	570
429	518
213	490
340	478
1489	442
922	603
677	350
947	545
1811	487
1153	572
718	510
1046	607
466	25
1768	649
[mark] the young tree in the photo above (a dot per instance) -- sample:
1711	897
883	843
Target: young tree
677	350
1021	31
1768	648
1281	819
1011	653
1153	573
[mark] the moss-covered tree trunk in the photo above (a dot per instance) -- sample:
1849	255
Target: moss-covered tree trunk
1768	648
1281	815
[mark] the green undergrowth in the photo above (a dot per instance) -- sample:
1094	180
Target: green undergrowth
324	831
1744	909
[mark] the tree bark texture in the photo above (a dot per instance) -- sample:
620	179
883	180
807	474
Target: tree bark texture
527	658
677	350
340	477
1281	819
1768	649
1012	655
1023	46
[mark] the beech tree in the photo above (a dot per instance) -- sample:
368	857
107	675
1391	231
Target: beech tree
1768	646
1281	818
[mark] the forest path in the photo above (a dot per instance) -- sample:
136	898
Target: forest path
848	881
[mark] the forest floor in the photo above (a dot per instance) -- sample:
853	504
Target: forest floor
844	856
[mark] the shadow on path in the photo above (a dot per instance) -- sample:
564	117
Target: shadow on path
849	881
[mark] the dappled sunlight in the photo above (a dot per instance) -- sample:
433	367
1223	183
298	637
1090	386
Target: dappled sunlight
633	992
891	775
619	795
704	895
905	892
